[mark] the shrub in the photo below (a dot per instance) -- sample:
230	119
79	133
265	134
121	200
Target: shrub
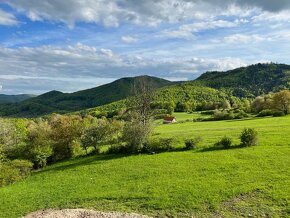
249	137
159	145
265	113
241	114
13	171
118	149
225	142
278	113
23	166
223	115
8	174
192	143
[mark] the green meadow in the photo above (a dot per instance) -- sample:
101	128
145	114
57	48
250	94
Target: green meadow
238	182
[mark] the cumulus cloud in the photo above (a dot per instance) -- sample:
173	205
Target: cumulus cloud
146	12
7	19
36	70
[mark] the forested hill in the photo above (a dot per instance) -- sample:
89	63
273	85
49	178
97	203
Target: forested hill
56	101
249	81
13	98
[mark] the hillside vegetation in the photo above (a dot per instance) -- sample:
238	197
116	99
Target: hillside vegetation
249	81
238	182
59	102
209	89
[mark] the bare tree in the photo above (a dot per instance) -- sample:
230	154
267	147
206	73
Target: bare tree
139	127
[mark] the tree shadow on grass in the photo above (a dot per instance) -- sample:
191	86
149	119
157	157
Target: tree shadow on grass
220	148
80	161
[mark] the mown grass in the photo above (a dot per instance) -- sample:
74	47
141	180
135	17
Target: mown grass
231	183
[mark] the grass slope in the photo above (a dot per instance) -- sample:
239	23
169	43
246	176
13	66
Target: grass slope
231	183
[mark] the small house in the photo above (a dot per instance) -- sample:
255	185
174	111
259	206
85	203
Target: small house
169	119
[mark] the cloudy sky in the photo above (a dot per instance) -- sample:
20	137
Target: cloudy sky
76	44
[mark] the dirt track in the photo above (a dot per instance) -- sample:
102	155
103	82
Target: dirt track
80	213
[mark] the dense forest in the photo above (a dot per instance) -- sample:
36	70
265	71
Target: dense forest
208	91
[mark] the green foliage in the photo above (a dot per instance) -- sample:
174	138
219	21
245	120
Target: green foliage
281	101
225	143
59	102
192	143
249	81
65	131
100	133
249	137
39	143
159	145
135	134
265	113
12	171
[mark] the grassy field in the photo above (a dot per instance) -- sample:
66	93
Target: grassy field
230	183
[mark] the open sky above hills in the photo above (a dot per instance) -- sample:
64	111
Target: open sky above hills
77	44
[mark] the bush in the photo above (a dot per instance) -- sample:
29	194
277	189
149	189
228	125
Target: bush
8	174
223	115
159	145
278	114
225	142
265	113
241	114
23	166
13	171
249	137
118	149
192	143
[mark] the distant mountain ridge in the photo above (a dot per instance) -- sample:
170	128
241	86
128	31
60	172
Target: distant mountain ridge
246	82
4	99
55	101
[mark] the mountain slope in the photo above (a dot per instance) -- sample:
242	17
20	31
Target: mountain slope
55	101
13	98
249	81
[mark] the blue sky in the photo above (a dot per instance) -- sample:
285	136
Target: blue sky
77	44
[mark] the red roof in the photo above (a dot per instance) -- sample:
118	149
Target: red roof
169	118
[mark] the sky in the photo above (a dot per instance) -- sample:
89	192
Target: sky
78	44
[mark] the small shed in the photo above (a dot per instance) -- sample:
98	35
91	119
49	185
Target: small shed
169	119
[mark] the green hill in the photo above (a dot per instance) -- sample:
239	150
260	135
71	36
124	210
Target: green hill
55	101
13	98
210	87
249	81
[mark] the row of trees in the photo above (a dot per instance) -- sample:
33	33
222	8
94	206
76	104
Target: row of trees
279	101
59	137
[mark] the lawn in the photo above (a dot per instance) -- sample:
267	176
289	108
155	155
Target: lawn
231	183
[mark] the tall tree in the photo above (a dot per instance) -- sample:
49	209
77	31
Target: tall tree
281	101
139	127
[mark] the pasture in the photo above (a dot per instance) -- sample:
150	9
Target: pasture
237	182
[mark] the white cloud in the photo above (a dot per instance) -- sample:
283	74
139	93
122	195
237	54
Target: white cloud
187	31
145	12
7	19
272	17
129	39
244	38
39	69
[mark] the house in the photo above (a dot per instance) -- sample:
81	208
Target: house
169	119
